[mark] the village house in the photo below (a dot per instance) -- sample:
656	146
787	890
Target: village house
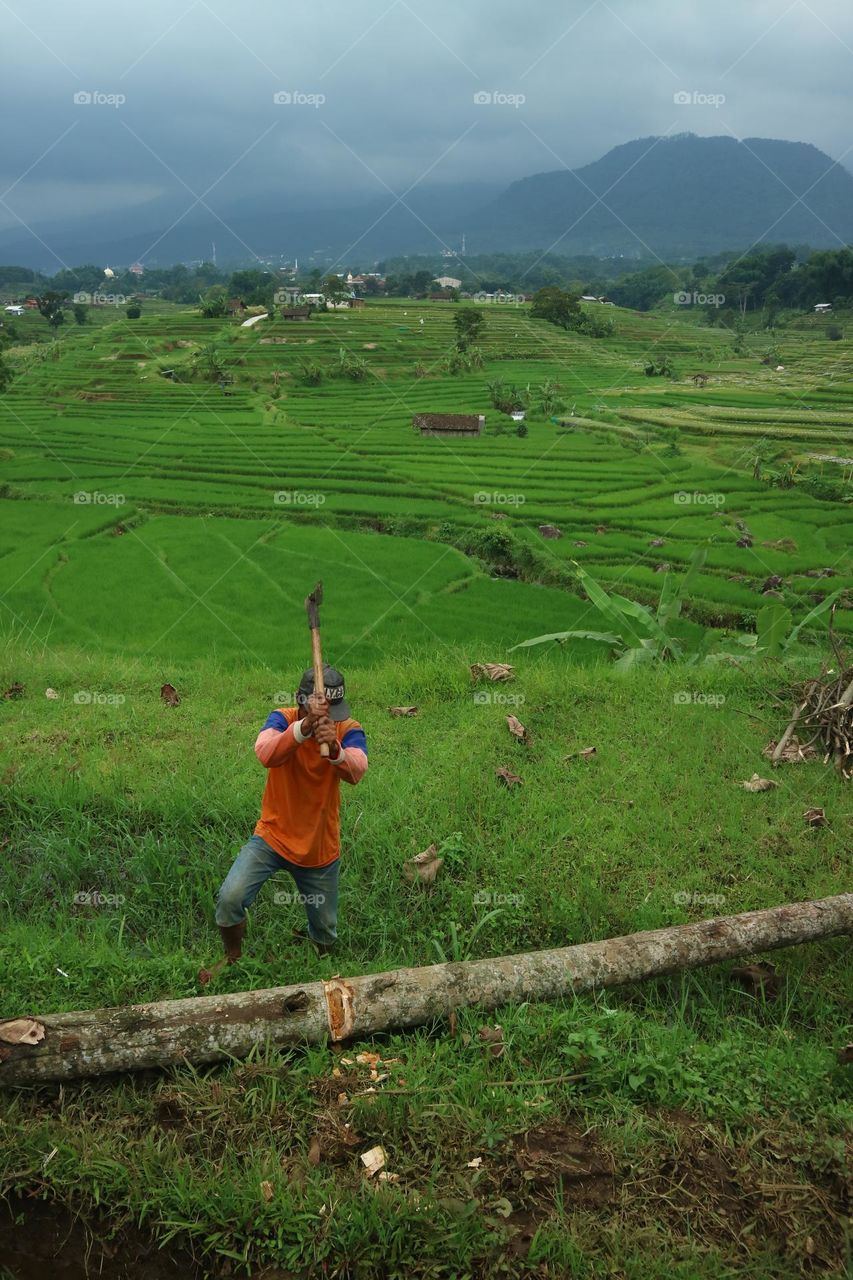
295	313
235	306
449	424
448	282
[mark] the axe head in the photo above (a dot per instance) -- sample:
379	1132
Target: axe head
312	606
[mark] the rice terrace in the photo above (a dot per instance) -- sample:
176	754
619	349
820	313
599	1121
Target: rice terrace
548	518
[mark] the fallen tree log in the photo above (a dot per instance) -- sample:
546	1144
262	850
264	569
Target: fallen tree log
212	1028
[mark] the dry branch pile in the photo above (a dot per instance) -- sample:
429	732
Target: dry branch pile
823	720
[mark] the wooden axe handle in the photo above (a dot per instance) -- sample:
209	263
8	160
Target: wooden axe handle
319	682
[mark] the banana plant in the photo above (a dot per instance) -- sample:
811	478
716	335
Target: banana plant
640	634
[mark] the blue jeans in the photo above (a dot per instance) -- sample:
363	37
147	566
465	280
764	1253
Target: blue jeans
316	888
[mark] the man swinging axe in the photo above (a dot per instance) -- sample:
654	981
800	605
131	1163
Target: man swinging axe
307	750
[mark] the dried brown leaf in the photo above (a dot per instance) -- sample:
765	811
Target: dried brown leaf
492	671
517	729
169	694
793	752
759	979
373	1160
508	778
403	711
15	690
816	817
756	783
266	1191
492	1040
315	1153
424	866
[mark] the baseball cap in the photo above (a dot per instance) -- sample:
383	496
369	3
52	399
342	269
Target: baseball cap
334	691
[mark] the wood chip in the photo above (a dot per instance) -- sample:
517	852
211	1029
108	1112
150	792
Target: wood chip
266	1191
22	1031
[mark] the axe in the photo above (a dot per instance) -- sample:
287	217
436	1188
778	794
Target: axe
312	607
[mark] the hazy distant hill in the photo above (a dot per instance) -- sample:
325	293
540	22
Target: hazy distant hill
677	196
673	197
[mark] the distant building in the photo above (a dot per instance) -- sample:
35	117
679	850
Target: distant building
137	269
235	306
823	307
449	424
448	282
295	313
441	295
14	310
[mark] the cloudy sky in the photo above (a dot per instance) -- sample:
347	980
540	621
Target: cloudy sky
108	106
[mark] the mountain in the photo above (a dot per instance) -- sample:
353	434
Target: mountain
265	225
680	196
676	197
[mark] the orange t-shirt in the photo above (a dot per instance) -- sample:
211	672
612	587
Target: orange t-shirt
300	809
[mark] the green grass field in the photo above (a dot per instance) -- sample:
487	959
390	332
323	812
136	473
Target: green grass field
160	530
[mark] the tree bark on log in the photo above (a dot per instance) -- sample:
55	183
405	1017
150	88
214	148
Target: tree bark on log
206	1029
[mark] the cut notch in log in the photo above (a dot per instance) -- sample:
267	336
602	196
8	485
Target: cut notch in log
207	1029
